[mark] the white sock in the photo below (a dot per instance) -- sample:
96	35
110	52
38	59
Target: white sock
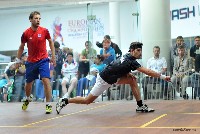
28	98
48	103
66	95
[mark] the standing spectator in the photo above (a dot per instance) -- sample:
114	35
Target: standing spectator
8	77
38	61
60	56
20	77
118	52
69	71
107	52
195	54
86	59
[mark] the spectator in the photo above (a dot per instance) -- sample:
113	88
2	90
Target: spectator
8	77
86	59
107	52
69	71
20	77
118	52
174	49
60	56
195	54
181	70
157	64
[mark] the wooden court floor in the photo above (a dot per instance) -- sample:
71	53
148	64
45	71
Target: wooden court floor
108	117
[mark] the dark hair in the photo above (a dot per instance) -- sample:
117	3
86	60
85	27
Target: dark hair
70	53
33	13
179	37
157	47
23	54
107	37
181	47
88	42
100	57
197	37
13	57
56	44
135	45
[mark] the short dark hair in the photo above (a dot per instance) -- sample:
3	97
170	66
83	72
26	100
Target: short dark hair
181	47
135	45
56	44
156	47
23	54
33	13
107	37
179	37
13	57
70	53
197	37
89	43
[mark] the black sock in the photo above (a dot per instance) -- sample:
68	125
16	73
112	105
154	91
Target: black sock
139	103
66	100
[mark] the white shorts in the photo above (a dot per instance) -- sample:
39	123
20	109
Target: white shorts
68	80
99	87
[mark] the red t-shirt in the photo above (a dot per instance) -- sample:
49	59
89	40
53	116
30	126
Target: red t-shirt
36	43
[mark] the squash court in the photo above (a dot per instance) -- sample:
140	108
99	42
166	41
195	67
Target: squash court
108	117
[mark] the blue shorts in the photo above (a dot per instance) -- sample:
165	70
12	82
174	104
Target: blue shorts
36	70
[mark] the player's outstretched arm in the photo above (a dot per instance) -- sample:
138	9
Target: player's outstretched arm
153	73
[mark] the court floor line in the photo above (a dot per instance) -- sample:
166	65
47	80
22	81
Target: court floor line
61	116
154	120
104	127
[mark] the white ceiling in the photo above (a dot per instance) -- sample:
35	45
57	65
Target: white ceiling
8	4
14	6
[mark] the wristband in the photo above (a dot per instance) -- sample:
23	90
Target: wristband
17	60
162	77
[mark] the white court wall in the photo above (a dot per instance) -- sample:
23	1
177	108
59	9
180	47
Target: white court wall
12	24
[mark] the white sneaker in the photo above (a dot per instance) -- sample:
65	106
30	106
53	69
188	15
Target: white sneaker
144	108
60	105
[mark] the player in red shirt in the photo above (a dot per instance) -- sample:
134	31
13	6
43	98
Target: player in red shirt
38	62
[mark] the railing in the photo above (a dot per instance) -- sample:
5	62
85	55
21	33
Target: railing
156	89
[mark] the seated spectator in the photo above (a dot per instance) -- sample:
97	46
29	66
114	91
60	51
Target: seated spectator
86	59
181	71
174	49
69	71
90	79
159	65
107	52
118	52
